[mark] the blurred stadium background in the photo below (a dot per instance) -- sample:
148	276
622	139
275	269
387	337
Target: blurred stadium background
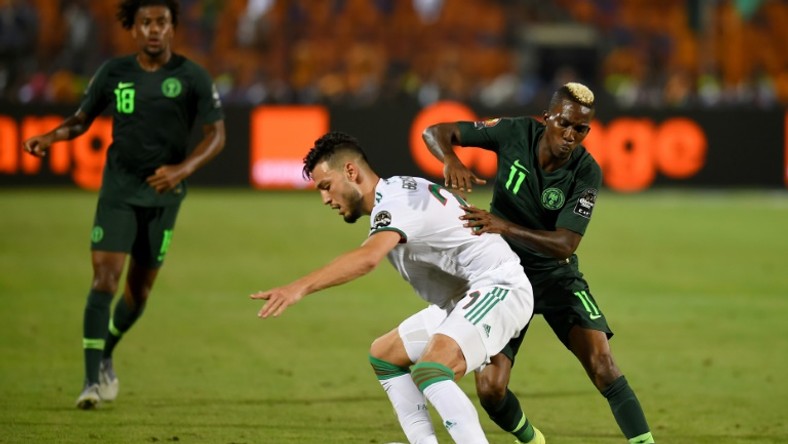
685	254
656	53
684	87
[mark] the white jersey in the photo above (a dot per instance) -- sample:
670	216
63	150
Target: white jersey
441	259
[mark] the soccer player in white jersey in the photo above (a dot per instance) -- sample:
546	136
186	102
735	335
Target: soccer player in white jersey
480	297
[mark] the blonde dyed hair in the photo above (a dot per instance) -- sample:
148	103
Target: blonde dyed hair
575	92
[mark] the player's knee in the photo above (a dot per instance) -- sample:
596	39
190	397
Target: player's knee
602	369
140	293
106	278
390	348
107	269
380	348
490	389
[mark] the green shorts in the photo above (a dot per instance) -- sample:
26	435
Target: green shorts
144	232
564	303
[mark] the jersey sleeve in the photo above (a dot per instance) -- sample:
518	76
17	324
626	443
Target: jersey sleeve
96	97
576	213
209	105
488	134
391	215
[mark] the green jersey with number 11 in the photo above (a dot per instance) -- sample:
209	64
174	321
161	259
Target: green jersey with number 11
528	196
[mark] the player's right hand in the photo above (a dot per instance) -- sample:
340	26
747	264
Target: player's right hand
459	177
37	145
278	299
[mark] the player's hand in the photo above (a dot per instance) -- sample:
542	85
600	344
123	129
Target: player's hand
37	145
278	300
482	221
166	178
459	177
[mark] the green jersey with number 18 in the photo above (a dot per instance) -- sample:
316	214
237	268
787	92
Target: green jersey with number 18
152	117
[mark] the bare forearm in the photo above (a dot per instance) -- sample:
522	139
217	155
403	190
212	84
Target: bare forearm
208	148
345	268
551	243
72	127
440	140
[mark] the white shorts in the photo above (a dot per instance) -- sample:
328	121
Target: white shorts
482	323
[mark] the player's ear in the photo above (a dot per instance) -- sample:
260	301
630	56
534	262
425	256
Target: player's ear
351	171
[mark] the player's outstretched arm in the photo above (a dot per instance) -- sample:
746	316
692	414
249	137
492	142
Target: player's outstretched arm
440	140
72	127
345	268
167	177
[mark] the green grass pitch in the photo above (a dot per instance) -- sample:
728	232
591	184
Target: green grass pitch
694	284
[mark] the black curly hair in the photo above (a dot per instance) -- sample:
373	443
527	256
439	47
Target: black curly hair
127	10
328	146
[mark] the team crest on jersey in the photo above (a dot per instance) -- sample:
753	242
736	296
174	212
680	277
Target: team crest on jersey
171	87
552	198
489	123
585	205
382	219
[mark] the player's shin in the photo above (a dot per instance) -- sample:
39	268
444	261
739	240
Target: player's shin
123	318
94	332
408	402
509	416
459	416
627	411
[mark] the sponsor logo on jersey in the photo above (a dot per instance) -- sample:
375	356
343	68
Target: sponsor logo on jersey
489	123
585	205
123	85
171	87
382	219
553	198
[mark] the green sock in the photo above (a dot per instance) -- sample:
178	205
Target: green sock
510	417
627	411
94	330
122	320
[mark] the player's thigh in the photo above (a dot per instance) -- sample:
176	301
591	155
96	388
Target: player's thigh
114	227
416	330
571	303
155	226
484	322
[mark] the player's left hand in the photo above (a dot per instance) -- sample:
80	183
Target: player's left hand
166	178
278	300
482	221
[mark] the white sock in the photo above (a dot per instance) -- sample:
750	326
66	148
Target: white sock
458	413
411	408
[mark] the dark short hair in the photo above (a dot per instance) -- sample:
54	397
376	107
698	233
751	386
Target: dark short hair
329	145
573	92
127	10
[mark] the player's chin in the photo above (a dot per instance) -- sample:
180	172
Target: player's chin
351	219
153	51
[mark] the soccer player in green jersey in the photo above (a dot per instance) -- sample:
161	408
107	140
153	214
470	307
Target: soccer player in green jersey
155	96
544	194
